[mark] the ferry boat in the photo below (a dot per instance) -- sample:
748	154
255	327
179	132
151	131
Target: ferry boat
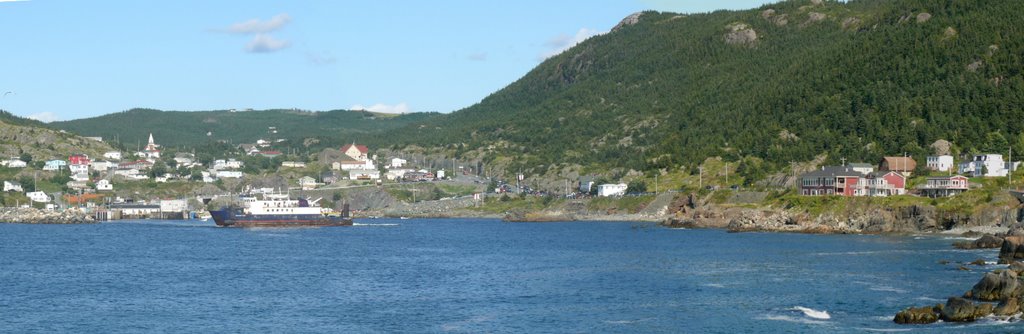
279	211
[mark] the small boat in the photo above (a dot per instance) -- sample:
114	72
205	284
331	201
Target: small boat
279	211
403	217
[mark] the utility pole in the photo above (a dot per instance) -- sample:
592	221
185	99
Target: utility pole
726	174
700	178
655	184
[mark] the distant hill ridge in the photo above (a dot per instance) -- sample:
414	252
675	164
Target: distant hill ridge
784	82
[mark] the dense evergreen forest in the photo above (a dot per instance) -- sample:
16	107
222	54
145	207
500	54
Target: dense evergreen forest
784	82
202	128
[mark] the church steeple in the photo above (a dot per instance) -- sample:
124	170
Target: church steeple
151	143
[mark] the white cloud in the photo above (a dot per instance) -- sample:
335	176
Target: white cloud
264	43
560	43
45	117
257	26
400	108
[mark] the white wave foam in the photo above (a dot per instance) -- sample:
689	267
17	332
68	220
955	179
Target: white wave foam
884	288
360	224
884	330
928	299
812	313
714	285
626	322
787	318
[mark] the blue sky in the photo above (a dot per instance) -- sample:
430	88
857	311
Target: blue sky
64	59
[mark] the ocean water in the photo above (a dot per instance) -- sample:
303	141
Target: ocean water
466	275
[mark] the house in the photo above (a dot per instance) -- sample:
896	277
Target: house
863	168
229	174
126	172
173	205
293	164
835	180
418	176
941	163
270	154
184	159
38	196
357	152
329	177
227	164
101	165
608	190
349	163
440	173
75	184
54	165
112	155
986	165
884	184
136	209
396	173
138	164
397	163
364	174
80	177
904	165
586	184
12	186
103	184
14	163
307	183
79	164
944	186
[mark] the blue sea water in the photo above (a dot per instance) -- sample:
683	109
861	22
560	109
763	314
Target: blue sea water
467	275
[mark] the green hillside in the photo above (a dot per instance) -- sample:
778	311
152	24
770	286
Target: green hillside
855	80
189	129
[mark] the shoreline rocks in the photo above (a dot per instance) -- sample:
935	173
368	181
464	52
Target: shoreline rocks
37	216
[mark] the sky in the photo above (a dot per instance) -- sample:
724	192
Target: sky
72	59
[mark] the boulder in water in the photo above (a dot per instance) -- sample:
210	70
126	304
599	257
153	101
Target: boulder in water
962	310
997	286
1012	249
918	315
986	241
1007	307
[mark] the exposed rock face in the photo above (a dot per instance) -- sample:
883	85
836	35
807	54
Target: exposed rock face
949	33
767	13
850	23
918	315
628	21
941	147
923	17
1007	307
963	310
1012	249
814	17
760	220
973	67
986	241
36	216
997	286
740	34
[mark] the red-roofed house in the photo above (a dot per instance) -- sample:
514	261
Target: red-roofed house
358	152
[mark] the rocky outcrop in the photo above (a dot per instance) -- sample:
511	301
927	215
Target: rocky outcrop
996	286
963	310
628	21
986	241
918	315
740	34
36	216
1012	249
923	17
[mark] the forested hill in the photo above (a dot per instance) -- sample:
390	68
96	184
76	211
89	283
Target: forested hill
784	82
194	128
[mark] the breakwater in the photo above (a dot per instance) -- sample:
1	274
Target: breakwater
37	216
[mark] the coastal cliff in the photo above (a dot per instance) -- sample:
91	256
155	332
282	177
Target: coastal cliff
37	216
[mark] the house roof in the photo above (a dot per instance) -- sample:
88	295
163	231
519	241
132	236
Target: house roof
860	165
946	177
361	148
832	171
899	163
13	183
882	174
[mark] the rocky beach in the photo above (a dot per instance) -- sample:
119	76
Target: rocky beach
37	216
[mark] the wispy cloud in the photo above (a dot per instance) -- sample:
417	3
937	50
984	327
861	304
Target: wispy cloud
257	26
400	108
13	0
479	56
264	43
560	43
45	117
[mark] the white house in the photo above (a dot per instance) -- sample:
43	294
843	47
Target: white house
307	183
440	173
173	205
987	165
364	174
104	185
398	163
293	164
863	168
38	196
229	174
80	177
942	163
112	155
126	172
227	164
396	174
79	168
101	165
12	186
14	163
607	190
